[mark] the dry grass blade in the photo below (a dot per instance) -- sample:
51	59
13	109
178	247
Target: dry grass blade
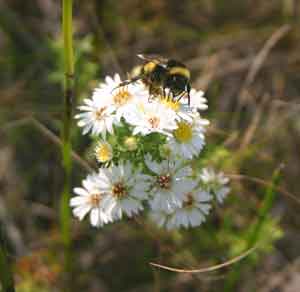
48	134
262	55
211	268
253	126
256	65
57	141
264	183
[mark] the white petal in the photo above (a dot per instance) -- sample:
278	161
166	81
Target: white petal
80	191
95	217
78	200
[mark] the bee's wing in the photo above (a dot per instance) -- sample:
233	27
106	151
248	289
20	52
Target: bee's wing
153	58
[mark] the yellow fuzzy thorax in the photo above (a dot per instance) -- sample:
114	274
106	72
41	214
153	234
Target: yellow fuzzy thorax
149	67
180	71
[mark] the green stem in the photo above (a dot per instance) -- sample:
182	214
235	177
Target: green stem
6	276
65	212
254	232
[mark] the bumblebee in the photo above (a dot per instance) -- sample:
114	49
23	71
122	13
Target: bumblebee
166	77
177	80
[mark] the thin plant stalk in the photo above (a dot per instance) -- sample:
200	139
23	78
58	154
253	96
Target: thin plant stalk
288	9
254	232
65	212
6	276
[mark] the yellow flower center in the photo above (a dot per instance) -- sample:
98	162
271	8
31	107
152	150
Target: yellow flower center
99	113
119	190
95	199
103	152
174	105
184	132
122	97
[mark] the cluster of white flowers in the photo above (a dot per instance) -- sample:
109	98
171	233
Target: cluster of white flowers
145	147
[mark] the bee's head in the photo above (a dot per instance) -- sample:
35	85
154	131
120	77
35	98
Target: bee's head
173	63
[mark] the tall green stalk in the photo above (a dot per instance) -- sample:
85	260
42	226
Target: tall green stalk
255	230
6	276
65	212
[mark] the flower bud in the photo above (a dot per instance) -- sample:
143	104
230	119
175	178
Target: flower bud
165	151
131	143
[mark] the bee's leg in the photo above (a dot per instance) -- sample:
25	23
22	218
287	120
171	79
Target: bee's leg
169	95
122	84
179	97
164	92
188	90
174	97
150	92
127	82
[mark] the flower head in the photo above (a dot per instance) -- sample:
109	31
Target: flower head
215	183
119	98
90	198
192	212
96	117
195	208
126	189
197	101
103	152
151	117
188	139
169	184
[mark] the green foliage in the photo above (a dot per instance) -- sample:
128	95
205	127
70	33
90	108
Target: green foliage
262	233
30	286
88	69
6	276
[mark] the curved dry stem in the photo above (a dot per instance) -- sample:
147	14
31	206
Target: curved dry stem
208	269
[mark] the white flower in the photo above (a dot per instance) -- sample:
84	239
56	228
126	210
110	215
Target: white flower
183	109
126	189
215	183
197	100
119	98
96	117
91	199
151	117
196	206
193	212
188	139
170	183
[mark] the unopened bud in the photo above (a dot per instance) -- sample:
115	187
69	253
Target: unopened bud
131	143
